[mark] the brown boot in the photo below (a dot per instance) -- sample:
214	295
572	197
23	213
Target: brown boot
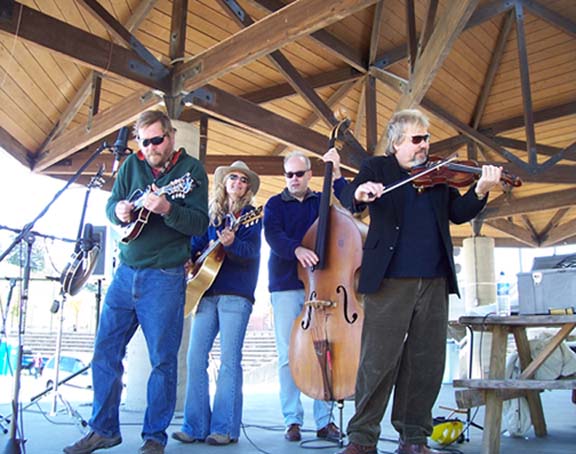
293	433
408	448
354	448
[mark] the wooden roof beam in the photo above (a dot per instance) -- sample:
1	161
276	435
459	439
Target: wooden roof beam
560	234
14	148
550	113
428	26
525	86
502	208
492	70
82	47
562	22
283	65
411	42
83	92
481	15
311	119
329	42
270	166
106	123
369	92
289	24
519	233
252	117
446	31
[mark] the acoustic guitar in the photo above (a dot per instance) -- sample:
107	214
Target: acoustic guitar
206	267
139	218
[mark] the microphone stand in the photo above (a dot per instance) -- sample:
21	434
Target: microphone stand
13	446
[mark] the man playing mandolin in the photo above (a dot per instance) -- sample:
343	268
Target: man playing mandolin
225	307
406	275
149	284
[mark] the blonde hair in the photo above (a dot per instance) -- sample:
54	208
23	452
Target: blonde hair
397	127
219	207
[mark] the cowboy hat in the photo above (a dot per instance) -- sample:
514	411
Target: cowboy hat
238	166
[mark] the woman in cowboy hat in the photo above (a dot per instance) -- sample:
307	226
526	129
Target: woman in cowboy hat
225	307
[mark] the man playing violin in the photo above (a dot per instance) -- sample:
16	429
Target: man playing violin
406	275
148	287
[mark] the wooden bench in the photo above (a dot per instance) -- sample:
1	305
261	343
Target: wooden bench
496	388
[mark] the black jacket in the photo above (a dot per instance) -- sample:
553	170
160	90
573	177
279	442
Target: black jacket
386	218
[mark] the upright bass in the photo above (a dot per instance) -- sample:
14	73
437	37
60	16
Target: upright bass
325	341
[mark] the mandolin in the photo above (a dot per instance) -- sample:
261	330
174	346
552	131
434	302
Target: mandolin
206	267
177	188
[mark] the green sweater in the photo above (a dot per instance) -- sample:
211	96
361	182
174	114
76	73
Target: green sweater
165	240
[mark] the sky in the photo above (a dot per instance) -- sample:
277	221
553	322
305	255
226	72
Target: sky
25	194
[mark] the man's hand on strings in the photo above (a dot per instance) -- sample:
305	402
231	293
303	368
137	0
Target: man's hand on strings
306	257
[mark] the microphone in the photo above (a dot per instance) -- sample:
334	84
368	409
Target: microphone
120	148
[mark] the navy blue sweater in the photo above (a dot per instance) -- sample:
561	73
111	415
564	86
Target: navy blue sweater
286	221
239	272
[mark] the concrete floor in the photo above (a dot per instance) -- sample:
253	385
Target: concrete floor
263	427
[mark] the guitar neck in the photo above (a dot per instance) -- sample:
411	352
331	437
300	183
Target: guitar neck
208	250
139	201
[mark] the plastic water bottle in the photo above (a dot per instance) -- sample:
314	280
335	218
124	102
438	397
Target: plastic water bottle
503	295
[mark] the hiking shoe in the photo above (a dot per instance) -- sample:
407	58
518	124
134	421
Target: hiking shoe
91	442
220	439
184	437
151	447
293	433
329	432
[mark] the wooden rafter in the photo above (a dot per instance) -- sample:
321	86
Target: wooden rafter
443	37
521	234
85	89
239	112
492	70
525	85
502	208
329	42
292	22
411	42
428	26
481	15
83	47
311	119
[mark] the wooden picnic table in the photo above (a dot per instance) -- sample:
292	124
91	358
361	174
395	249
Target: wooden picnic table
495	389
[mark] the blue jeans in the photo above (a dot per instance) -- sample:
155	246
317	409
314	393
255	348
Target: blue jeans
287	305
228	314
153	299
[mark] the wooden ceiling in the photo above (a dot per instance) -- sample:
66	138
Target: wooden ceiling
260	77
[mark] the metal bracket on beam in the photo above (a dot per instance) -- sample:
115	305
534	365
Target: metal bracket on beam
189	73
156	69
201	94
236	9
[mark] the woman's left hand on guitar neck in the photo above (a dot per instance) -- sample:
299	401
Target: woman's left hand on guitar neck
226	236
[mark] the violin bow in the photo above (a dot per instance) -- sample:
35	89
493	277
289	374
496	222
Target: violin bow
418	175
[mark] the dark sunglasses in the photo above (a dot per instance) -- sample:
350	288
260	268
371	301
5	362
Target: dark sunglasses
419	138
299	174
153	140
234	177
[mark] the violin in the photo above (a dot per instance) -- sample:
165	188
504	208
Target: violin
458	174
